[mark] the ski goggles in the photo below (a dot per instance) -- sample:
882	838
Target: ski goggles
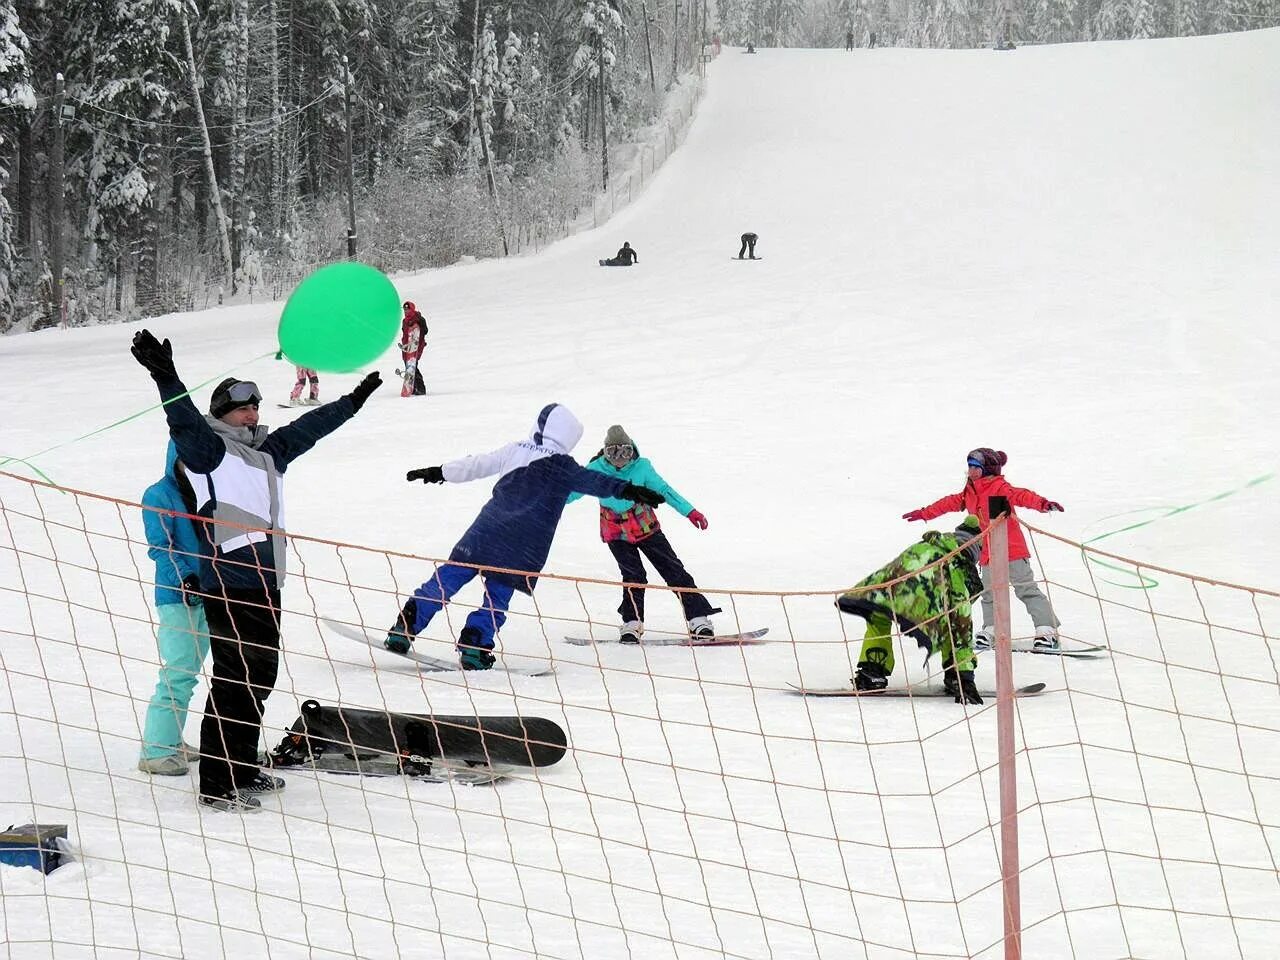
977	463
619	451
246	391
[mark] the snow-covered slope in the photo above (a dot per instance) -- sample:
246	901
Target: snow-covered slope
1069	253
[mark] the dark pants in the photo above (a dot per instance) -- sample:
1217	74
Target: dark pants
657	548
748	242
244	628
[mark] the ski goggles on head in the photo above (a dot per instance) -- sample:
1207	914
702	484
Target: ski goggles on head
619	451
977	463
246	391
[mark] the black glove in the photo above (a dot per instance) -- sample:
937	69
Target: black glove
426	475
365	387
191	590
968	689
157	357
650	498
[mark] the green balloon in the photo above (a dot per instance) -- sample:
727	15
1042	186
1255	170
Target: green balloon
341	318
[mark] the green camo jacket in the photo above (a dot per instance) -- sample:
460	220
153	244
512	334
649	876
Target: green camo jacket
932	605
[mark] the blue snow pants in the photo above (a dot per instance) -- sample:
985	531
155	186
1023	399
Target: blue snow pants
431	597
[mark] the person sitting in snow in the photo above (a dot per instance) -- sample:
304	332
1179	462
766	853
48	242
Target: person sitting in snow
928	591
984	482
513	530
625	257
631	529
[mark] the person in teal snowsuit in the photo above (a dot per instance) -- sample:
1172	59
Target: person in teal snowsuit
631	529
182	633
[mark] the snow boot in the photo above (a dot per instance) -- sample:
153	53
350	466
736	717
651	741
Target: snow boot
950	679
700	628
173	765
986	639
968	692
631	632
870	676
230	800
261	783
1046	638
400	636
472	653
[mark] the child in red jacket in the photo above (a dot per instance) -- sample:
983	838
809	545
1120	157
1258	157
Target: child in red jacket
985	482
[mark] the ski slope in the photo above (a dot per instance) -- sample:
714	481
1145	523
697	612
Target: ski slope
1068	253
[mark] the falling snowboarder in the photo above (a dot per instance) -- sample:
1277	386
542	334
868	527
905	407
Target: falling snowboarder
623	258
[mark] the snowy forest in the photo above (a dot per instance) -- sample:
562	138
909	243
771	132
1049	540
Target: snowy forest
159	154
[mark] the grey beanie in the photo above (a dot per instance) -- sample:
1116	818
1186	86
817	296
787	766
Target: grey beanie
616	434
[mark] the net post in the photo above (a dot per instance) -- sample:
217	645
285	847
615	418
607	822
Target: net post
1009	867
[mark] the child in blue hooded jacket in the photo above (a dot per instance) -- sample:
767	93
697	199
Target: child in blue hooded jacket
182	634
630	530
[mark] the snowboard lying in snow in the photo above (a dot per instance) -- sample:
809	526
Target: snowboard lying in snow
425	662
1030	690
433	747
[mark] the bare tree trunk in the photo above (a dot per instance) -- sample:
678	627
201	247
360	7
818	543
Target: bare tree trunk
26	183
147	280
211	177
239	133
276	145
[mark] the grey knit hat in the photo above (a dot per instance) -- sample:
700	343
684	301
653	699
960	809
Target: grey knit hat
616	434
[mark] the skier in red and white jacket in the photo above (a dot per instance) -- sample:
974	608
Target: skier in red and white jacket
413	340
985	481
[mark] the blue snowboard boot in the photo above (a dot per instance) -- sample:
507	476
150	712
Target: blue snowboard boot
400	636
472	652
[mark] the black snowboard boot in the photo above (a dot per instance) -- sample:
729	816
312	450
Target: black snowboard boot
870	676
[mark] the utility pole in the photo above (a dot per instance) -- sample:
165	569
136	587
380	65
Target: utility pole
351	169
648	47
604	130
488	166
56	171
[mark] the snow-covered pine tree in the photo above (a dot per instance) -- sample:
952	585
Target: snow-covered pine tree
1054	21
1144	20
131	91
16	99
1186	20
485	79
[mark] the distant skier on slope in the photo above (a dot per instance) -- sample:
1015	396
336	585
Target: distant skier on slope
514	529
933	605
625	257
984	481
413	341
748	244
630	529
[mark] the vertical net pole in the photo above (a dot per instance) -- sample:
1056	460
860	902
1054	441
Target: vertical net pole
999	569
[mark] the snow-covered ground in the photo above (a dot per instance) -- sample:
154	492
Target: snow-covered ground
1068	253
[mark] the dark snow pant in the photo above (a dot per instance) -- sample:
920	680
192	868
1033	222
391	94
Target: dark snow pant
748	242
244	628
658	549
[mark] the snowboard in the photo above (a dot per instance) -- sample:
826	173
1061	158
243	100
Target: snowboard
679	640
295	406
746	258
428	663
1031	690
1073	653
378	739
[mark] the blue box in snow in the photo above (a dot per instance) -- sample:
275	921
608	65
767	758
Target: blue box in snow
33	845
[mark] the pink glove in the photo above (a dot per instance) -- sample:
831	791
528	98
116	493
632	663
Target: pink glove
914	515
1050	506
697	519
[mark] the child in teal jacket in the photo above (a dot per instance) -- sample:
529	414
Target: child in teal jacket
631	529
182	633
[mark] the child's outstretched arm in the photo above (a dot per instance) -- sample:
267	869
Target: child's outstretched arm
1022	497
951	503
